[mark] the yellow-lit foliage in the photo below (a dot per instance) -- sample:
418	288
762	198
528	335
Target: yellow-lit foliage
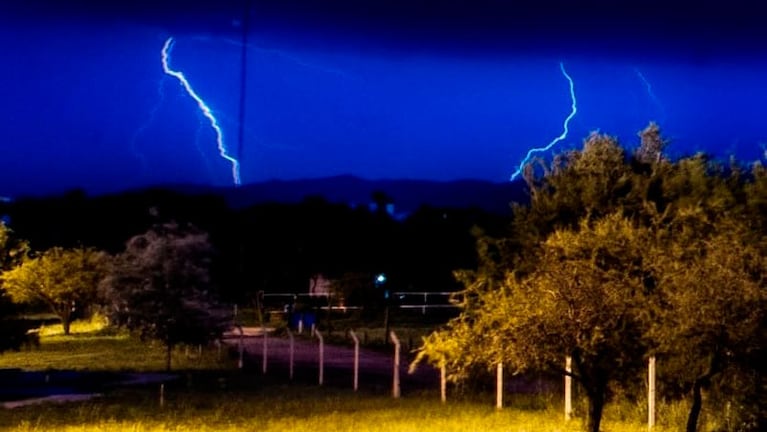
63	279
618	257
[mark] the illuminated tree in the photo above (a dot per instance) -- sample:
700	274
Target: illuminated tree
63	279
583	300
709	308
160	288
594	261
13	330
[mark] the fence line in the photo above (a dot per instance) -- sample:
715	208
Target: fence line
424	305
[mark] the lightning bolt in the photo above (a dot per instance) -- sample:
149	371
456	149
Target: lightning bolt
651	94
204	108
198	146
565	125
278	53
151	118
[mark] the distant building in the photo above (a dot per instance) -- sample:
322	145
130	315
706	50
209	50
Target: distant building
320	285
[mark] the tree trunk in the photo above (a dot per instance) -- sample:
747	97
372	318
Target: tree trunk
596	405
168	352
66	318
697	404
697	387
594	382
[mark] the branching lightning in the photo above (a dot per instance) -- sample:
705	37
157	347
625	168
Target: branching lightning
651	94
150	119
206	111
281	54
565	126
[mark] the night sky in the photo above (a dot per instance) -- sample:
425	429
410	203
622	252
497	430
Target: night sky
394	89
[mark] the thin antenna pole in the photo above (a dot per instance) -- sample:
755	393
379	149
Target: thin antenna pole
243	78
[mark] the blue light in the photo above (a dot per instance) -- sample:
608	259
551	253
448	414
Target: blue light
206	111
574	107
380	279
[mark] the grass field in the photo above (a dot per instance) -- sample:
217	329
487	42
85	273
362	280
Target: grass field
93	346
212	395
287	408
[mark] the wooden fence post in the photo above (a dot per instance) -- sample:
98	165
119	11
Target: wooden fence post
356	358
241	347
395	389
321	356
265	350
499	386
568	388
651	392
291	350
443	383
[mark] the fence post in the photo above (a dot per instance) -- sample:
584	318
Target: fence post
395	390
241	347
651	392
443	383
568	388
291	350
264	356
356	358
499	386
322	355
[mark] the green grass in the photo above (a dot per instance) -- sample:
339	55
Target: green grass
281	408
217	397
93	346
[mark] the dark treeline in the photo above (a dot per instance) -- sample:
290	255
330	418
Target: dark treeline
273	247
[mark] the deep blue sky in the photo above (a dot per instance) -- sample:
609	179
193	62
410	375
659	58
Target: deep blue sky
417	89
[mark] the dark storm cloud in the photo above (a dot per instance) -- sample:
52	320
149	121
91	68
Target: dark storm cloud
670	28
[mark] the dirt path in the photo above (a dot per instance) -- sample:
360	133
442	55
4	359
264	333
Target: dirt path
376	369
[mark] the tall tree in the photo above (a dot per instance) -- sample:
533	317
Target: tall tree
588	269
13	330
63	279
709	308
583	300
160	288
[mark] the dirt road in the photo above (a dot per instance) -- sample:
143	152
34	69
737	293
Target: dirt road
376	369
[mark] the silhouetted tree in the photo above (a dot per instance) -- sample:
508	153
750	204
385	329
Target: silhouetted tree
160	288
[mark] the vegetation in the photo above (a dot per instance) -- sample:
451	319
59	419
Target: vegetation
218	397
13	330
209	407
159	288
65	280
94	346
619	257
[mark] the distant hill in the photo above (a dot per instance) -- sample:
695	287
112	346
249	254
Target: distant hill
407	195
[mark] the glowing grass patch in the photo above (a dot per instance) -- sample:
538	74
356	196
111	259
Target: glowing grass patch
95	324
291	408
106	349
